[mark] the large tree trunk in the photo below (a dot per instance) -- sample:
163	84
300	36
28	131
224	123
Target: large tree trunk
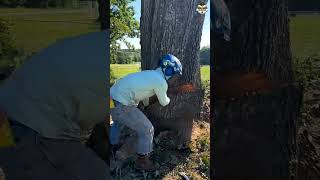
173	26
104	14
256	100
260	39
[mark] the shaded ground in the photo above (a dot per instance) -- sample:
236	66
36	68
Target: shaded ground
193	160
309	129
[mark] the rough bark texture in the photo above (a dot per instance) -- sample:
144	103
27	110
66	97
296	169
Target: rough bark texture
255	135
104	14
173	26
260	39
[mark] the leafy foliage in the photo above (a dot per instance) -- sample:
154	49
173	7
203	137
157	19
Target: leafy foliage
305	69
122	25
205	56
298	5
12	3
126	57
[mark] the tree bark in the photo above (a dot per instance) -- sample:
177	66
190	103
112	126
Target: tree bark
256	109
255	135
104	14
260	39
173	26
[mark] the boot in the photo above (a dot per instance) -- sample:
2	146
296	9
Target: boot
143	162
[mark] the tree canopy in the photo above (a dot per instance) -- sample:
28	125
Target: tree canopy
298	5
122	24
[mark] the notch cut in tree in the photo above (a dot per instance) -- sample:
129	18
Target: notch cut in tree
175	27
256	100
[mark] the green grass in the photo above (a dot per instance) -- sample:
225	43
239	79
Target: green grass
34	32
205	73
305	35
121	70
32	10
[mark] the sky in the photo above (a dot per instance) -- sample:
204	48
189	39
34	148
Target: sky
205	39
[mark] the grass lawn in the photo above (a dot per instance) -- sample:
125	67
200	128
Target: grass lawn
121	70
35	29
305	35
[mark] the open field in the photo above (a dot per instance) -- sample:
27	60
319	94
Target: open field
35	29
305	35
121	70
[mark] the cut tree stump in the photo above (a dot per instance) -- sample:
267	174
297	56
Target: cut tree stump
254	128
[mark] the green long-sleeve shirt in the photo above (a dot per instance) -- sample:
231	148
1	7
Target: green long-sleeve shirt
61	92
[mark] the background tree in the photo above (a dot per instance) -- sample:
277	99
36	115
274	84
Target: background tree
104	14
12	3
173	26
8	49
122	24
205	56
256	99
298	5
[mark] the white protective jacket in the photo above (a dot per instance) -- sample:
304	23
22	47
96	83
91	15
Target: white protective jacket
136	87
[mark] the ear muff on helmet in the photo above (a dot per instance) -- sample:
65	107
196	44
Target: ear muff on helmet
169	71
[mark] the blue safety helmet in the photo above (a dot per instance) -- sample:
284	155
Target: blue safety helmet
170	65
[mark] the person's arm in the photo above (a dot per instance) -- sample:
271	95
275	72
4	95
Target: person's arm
161	94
